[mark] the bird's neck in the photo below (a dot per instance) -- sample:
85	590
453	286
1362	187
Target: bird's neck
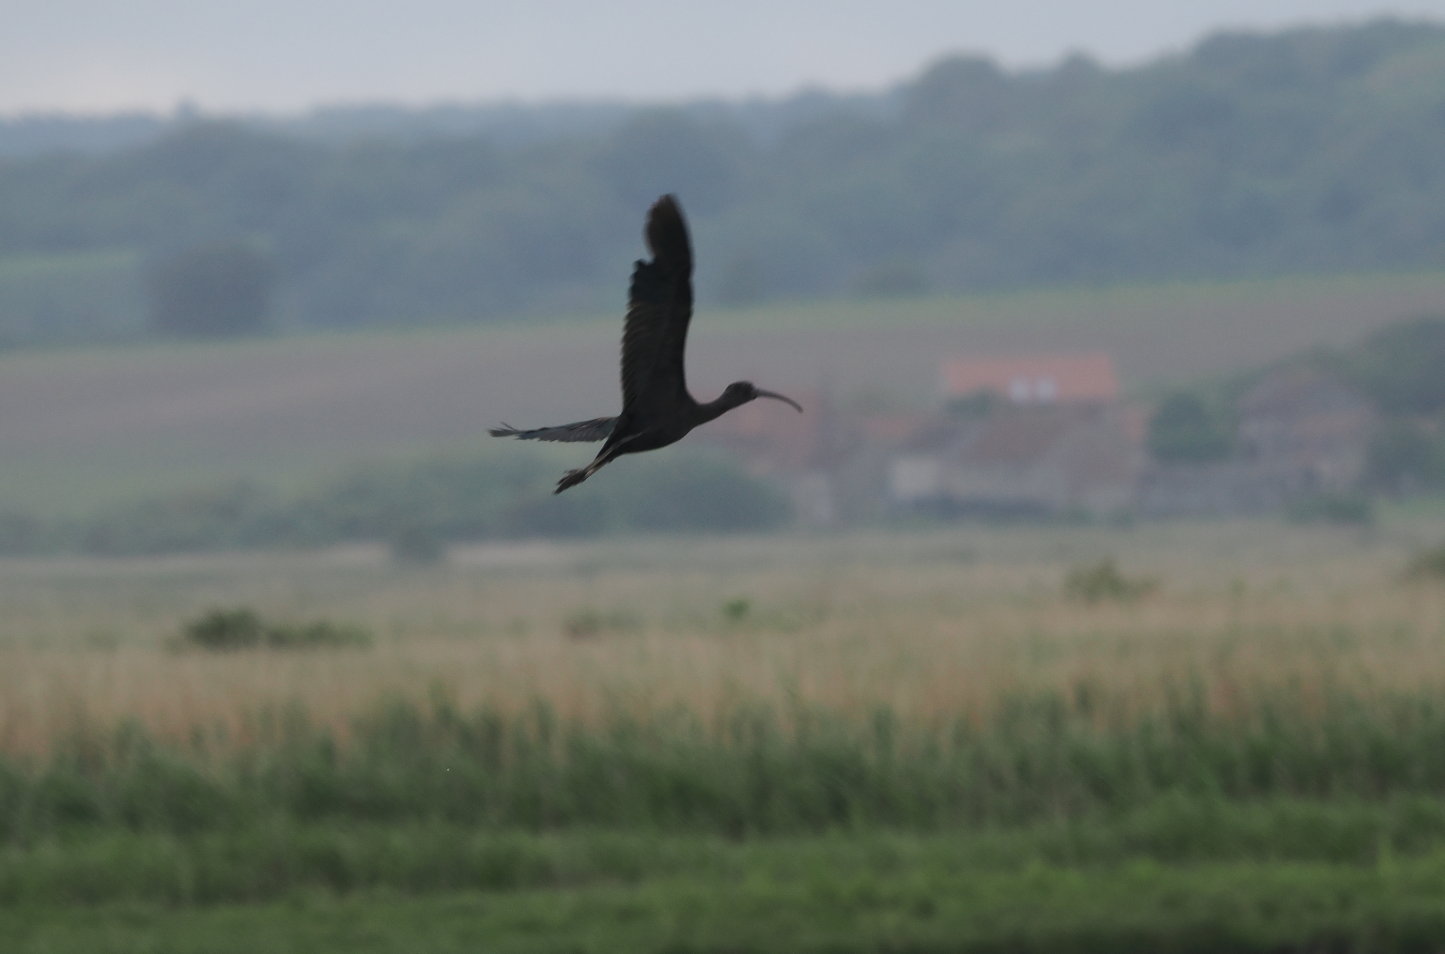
712	410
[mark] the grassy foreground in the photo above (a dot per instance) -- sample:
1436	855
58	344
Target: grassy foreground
1185	874
872	743
1276	908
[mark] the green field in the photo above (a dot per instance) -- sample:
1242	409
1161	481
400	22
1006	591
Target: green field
866	894
85	428
864	742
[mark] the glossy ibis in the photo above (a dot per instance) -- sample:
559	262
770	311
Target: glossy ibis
657	410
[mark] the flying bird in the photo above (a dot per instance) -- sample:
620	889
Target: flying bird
657	409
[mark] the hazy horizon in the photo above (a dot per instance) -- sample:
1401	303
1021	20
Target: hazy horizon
90	57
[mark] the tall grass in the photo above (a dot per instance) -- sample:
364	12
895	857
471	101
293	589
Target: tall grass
749	769
872	680
928	658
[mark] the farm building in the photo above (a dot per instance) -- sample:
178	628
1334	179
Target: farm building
1024	460
1300	433
1016	434
1309	426
1027	434
1044	435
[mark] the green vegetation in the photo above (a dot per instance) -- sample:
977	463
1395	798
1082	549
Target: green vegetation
1399	366
737	609
1184	429
1394	368
1103	581
865	893
418	507
1244	157
755	770
1180	830
1344	508
888	743
587	623
1405	456
217	290
252	864
242	628
1427	565
842	903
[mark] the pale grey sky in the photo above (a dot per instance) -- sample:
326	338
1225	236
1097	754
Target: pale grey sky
287	55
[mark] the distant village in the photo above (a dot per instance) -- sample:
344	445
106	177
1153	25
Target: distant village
1041	435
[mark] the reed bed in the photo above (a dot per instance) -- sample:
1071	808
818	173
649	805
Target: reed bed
929	680
929	628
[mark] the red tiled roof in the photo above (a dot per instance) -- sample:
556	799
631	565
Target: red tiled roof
1082	377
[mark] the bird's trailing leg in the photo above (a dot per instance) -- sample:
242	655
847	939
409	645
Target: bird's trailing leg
574	477
609	450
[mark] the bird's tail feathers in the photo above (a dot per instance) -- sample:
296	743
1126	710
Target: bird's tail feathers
596	429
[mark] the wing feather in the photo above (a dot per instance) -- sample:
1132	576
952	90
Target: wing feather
659	307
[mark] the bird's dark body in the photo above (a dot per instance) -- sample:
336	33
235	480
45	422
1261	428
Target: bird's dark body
657	409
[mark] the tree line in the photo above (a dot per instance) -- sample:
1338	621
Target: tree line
1250	154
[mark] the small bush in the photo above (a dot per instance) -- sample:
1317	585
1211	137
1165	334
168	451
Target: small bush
1102	581
220	630
737	610
1332	508
1428	565
584	624
1186	429
315	634
223	629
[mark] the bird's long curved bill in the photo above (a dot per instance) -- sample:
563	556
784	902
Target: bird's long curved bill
778	397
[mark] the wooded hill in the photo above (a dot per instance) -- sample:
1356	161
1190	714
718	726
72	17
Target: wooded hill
1296	152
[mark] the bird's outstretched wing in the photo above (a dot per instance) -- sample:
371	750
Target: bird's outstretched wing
597	429
659	306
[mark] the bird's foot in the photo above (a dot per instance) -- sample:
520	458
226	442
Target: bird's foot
572	478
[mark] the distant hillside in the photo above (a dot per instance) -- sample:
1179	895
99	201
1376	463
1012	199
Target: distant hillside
1306	151
503	123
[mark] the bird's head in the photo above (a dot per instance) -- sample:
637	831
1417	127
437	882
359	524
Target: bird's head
741	392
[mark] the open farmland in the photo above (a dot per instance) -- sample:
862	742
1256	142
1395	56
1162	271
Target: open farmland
79	429
845	743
